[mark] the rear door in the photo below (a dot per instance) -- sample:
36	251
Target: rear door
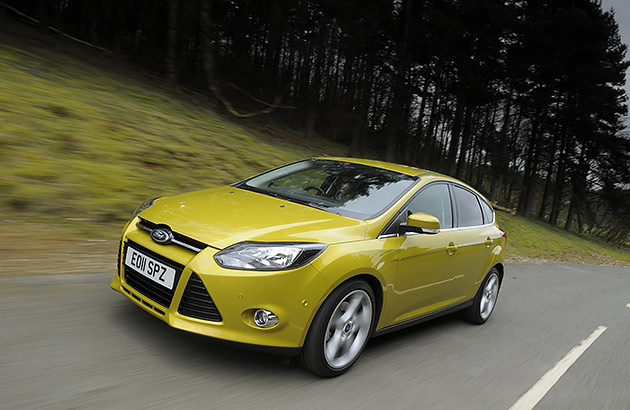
473	234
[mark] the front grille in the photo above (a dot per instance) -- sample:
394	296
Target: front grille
196	301
178	239
146	286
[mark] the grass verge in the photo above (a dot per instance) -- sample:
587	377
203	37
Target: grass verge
530	240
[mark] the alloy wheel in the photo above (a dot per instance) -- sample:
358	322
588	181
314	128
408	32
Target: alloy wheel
489	296
348	329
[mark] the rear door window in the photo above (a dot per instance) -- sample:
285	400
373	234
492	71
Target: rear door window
468	208
488	214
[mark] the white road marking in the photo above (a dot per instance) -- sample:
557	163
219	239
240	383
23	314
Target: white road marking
529	400
395	373
628	305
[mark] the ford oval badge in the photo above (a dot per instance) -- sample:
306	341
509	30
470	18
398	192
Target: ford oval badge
162	236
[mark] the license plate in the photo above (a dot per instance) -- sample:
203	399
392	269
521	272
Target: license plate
149	267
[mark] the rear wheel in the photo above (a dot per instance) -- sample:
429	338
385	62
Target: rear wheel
485	300
340	329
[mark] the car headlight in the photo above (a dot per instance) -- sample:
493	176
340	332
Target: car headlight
268	255
146	204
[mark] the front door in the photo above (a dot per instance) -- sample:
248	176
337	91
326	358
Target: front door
429	274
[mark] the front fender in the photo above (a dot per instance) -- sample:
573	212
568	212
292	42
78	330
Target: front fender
376	258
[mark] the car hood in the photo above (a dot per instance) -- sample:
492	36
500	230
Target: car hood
223	216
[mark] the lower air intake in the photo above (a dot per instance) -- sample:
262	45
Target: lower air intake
196	301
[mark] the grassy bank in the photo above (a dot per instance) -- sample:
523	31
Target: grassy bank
83	144
76	142
533	240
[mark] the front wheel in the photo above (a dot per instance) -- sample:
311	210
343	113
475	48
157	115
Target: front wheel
485	300
340	329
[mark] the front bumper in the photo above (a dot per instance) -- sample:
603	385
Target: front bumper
293	295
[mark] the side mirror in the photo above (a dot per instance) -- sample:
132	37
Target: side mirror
420	223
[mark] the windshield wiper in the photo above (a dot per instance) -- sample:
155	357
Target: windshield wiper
258	190
307	203
285	197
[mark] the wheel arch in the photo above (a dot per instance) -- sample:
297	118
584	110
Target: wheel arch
501	269
372	281
375	284
377	288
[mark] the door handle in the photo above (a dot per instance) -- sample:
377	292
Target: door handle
488	242
451	248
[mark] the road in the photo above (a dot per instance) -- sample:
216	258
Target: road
68	341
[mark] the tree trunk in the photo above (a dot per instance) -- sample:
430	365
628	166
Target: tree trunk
547	189
430	137
558	192
273	49
567	223
207	56
465	137
314	90
500	161
399	86
456	130
42	13
420	139
171	43
531	165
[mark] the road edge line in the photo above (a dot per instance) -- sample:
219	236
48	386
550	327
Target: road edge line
530	399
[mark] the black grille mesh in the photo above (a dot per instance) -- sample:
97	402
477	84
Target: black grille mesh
118	264
146	286
196	301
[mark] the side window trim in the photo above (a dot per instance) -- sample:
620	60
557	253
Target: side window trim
483	217
385	231
454	207
482	202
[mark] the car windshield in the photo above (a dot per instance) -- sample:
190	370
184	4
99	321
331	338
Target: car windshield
348	189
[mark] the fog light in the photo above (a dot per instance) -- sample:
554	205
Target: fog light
265	318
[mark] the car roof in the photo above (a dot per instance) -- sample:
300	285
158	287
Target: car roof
403	169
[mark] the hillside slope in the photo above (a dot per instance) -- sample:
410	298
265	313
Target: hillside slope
80	140
85	138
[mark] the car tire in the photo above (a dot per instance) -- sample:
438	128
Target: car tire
340	329
485	300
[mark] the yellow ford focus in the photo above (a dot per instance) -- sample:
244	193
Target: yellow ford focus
315	257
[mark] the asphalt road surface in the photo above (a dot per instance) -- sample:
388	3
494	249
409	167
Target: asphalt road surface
69	341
